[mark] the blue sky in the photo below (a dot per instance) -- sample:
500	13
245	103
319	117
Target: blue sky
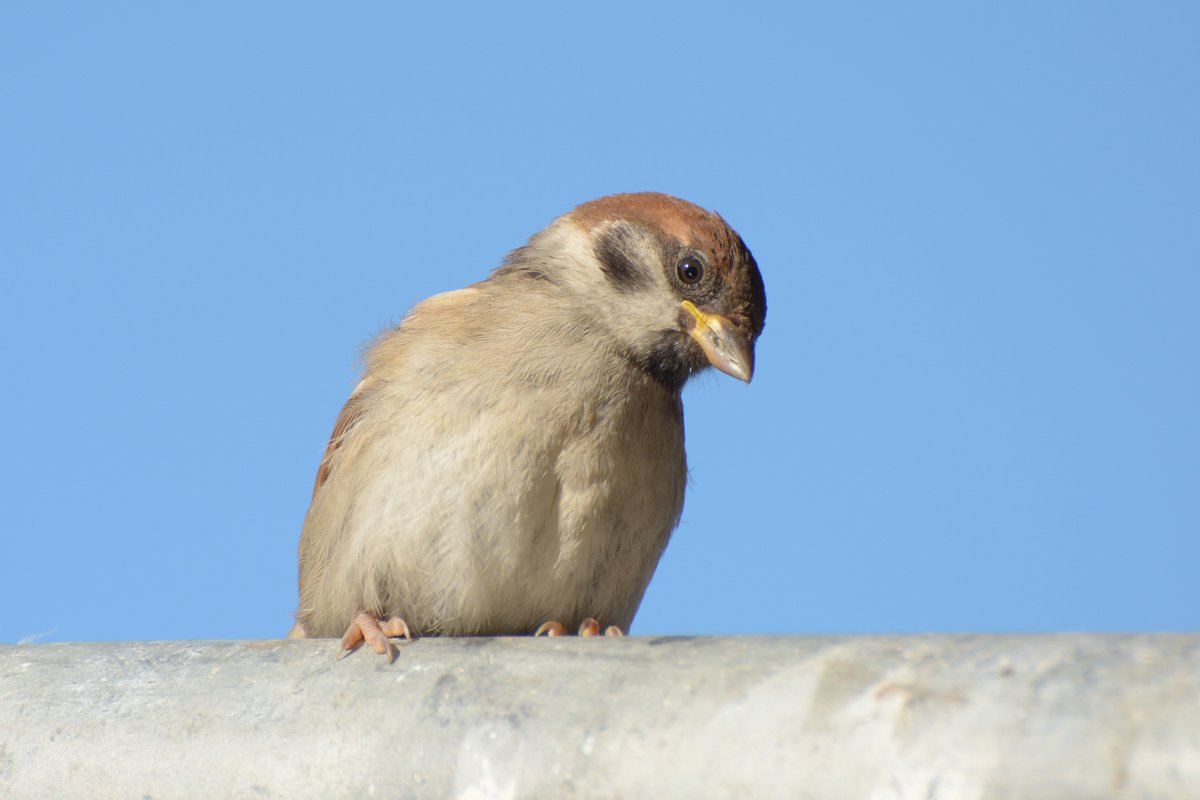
977	404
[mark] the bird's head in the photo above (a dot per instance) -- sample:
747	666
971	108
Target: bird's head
673	285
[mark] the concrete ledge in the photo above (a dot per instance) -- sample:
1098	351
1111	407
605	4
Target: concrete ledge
891	717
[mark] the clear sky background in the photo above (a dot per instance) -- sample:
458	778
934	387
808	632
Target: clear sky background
977	405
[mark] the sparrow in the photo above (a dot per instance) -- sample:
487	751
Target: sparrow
512	460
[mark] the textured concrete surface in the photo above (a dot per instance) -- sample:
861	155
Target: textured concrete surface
907	717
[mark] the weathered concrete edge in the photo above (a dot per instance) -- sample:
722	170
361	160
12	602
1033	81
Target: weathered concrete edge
922	716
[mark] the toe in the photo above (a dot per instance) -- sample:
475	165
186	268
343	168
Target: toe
351	639
397	627
365	627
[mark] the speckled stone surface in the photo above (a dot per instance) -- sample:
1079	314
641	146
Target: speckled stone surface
988	717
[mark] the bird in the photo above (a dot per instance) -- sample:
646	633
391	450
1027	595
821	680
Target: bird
512	460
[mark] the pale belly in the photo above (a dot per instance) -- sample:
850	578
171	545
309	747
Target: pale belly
466	536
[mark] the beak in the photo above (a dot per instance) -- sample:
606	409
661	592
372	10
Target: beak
728	347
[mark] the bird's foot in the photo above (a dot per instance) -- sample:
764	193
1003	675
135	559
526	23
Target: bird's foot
589	627
366	626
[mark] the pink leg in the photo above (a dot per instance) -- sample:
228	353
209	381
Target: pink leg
365	627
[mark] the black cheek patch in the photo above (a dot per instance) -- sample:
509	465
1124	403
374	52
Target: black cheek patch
617	250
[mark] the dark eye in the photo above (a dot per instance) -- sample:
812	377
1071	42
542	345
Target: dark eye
690	270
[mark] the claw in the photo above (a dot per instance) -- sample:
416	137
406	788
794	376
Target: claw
550	628
589	627
397	627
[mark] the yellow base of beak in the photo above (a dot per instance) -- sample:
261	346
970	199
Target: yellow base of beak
727	346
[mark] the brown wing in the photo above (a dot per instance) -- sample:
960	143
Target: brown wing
345	421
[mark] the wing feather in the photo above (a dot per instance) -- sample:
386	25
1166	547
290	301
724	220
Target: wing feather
350	414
